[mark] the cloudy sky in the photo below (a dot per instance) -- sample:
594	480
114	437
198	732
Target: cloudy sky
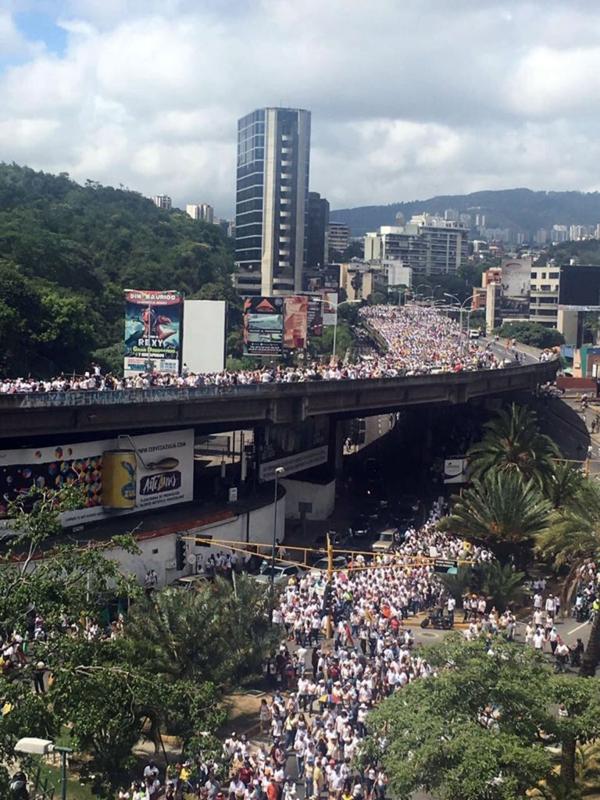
410	98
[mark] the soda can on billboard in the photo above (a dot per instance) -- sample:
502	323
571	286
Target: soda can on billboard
263	326
152	331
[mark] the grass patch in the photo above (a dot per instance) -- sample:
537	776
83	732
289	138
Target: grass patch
75	791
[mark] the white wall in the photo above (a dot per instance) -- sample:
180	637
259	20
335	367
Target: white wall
158	553
204	335
322	497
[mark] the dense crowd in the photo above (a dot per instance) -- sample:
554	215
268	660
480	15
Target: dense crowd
418	340
314	720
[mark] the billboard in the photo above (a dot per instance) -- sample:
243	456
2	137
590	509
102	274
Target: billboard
157	469
263	326
330	304
455	470
294	447
295	322
579	288
152	331
314	320
204	335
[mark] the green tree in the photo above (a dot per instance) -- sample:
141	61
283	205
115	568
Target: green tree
218	633
572	539
62	583
512	442
531	333
479	729
68	251
563	484
500	510
502	584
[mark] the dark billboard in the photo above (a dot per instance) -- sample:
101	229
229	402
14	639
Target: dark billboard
580	287
263	326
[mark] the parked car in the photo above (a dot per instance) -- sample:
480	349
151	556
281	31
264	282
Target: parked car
339	562
386	541
190	582
281	574
474	333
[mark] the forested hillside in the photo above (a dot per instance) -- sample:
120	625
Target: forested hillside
68	251
521	209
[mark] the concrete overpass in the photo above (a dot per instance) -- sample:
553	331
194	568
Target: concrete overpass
213	409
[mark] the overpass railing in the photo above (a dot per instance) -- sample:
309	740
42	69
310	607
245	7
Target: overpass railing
170	394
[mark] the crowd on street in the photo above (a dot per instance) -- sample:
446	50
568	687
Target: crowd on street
314	719
415	340
421	340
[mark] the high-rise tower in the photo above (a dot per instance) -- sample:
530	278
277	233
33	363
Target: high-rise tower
273	155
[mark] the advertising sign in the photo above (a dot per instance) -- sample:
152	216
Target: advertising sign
263	326
204	323
455	470
295	322
152	331
315	316
330	304
159	470
294	447
579	287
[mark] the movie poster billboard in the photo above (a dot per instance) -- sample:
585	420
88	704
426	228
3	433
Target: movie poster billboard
315	316
159	466
330	305
152	331
295	322
263	326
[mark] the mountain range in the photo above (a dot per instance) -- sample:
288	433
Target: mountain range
521	209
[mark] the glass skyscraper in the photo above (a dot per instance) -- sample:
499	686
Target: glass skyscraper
273	155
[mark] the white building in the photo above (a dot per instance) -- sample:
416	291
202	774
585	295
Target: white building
428	245
201	211
162	201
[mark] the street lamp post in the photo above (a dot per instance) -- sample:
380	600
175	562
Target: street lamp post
279	471
41	747
335	324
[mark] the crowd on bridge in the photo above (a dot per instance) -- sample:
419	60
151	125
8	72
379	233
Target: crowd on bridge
414	340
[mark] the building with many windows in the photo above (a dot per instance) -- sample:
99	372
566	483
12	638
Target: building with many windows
201	211
339	238
162	201
428	245
317	233
273	153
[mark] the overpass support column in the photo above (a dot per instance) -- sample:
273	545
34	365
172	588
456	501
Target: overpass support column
336	447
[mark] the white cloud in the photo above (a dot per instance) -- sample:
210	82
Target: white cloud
408	99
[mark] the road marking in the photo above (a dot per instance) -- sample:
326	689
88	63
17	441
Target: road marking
578	628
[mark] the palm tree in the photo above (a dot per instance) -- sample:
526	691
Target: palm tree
513	443
587	777
502	584
572	538
500	510
219	633
562	486
587	769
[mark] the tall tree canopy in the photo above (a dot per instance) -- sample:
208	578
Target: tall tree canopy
480	728
67	253
513	443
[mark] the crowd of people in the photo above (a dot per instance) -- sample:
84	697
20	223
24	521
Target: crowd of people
314	720
414	340
421	340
